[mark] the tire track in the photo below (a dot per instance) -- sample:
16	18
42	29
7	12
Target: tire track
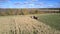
24	25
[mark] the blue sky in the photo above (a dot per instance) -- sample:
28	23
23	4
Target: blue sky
29	3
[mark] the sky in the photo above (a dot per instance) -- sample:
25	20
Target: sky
29	3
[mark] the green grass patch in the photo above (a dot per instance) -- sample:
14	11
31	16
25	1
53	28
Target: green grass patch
52	20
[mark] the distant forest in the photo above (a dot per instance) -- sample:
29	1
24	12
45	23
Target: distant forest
25	11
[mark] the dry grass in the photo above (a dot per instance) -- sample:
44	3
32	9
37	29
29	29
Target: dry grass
24	25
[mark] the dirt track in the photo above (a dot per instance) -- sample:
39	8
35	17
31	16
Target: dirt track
24	25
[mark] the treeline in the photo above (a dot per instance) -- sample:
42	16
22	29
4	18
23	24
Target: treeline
16	12
26	11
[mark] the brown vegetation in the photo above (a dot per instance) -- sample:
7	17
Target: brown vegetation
24	25
27	11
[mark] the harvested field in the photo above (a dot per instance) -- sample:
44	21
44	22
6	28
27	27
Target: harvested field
24	25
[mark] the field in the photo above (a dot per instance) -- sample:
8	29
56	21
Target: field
24	24
52	20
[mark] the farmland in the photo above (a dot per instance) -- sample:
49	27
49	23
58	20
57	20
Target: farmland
19	21
52	20
23	24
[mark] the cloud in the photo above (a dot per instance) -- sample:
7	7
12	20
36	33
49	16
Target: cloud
34	0
17	3
50	5
27	4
